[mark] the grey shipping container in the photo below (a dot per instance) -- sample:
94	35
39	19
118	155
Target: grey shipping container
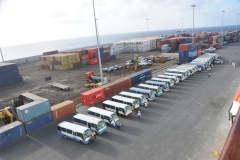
11	132
140	76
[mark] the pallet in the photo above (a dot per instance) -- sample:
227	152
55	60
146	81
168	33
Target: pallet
59	85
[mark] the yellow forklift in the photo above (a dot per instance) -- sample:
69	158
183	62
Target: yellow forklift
6	115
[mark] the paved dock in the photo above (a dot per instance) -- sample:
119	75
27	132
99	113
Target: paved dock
188	122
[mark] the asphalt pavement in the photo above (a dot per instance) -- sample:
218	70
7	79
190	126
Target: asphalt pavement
188	122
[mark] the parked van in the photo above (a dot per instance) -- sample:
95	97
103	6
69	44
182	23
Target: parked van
174	78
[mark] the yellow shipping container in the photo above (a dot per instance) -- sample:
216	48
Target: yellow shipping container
66	62
75	60
46	63
75	55
50	66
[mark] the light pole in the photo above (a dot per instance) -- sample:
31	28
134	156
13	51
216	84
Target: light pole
182	25
147	26
222	23
193	24
99	57
98	32
1	54
237	23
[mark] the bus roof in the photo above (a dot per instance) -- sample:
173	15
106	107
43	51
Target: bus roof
124	98
177	70
101	111
87	118
116	104
73	127
167	76
161	79
140	89
150	86
177	74
155	82
132	94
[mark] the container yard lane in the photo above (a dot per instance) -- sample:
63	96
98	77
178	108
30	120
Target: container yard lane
189	121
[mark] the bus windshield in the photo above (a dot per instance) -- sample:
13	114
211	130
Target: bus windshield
128	109
114	117
101	124
87	133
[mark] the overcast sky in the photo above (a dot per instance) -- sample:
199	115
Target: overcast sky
28	21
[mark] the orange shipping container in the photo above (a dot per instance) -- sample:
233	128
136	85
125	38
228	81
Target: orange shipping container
63	109
199	52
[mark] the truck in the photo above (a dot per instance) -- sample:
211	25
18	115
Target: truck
91	78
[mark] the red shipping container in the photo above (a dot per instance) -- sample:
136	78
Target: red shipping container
104	59
163	42
92	50
93	61
50	53
184	47
179	40
77	64
63	109
92	96
199	52
116	86
84	57
91	55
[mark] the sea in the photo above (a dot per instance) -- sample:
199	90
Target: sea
34	49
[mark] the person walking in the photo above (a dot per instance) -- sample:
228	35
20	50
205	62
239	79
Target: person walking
92	137
94	134
210	69
209	74
139	115
146	104
118	124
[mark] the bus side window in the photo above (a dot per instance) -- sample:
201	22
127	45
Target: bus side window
102	117
107	118
80	135
69	131
63	129
94	125
96	114
84	122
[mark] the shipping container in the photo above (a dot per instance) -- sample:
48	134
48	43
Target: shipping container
104	59
93	61
63	109
113	57
84	57
38	122
4	67
14	79
11	132
84	62
140	76
92	55
50	52
184	47
103	54
77	64
37	107
6	74
116	86
92	96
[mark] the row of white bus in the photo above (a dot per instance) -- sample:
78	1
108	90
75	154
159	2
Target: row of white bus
123	104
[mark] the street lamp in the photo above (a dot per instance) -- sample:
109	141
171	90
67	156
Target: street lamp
237	23
222	23
99	57
147	26
1	54
98	32
193	24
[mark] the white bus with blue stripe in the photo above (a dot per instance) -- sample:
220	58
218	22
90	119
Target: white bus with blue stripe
184	72
169	81
119	108
156	89
75	132
149	94
95	124
164	85
110	118
125	100
139	97
174	78
180	76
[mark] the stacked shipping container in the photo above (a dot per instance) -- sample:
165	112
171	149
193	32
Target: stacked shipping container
9	74
63	109
188	52
35	114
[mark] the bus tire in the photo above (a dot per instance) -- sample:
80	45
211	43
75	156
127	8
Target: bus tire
65	137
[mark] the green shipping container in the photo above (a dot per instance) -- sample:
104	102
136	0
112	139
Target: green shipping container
84	62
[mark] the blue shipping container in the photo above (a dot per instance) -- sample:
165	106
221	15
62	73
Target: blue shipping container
15	79
11	132
113	57
183	56
8	67
101	49
3	82
103	54
38	122
140	76
169	48
33	109
7	74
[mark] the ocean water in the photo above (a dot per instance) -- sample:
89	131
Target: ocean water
33	49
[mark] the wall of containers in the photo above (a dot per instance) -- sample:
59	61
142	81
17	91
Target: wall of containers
34	115
95	95
9	74
73	59
189	51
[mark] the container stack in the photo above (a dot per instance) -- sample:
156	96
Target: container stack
187	52
9	74
11	132
60	61
160	41
173	44
105	56
35	114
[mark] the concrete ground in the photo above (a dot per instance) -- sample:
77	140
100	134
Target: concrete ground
188	122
